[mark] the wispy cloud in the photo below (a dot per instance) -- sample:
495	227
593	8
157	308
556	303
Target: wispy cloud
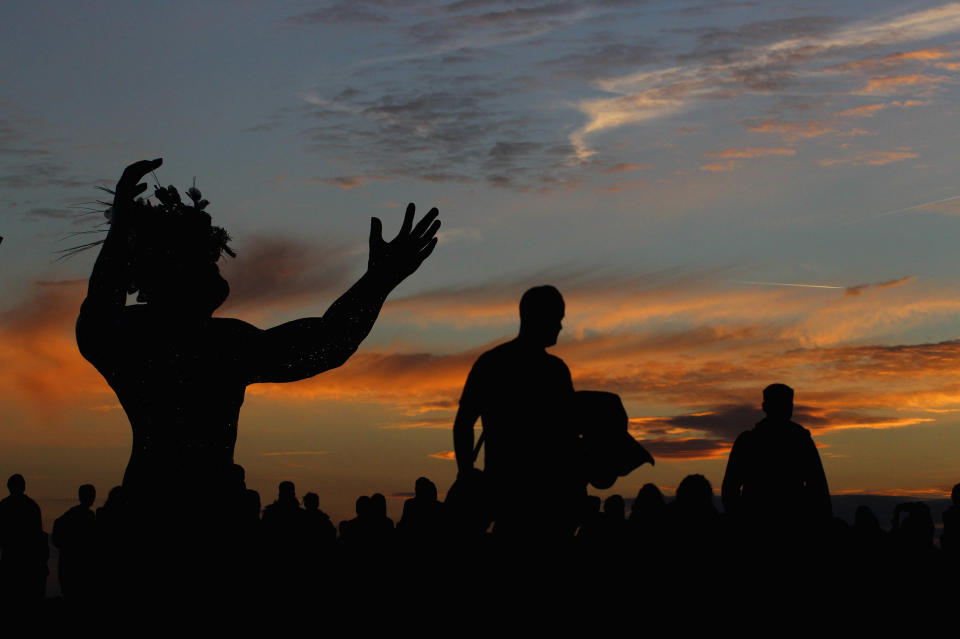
871	158
767	67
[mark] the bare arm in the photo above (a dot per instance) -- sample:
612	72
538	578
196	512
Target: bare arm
302	348
107	289
463	438
733	478
816	483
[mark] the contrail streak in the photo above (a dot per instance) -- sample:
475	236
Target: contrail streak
904	210
786	284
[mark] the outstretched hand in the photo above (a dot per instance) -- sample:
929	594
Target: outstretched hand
129	185
392	262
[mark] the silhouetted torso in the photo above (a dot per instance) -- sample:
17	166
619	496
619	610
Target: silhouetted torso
181	387
774	471
521	393
75	535
23	548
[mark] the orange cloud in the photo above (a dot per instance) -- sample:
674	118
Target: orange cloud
624	167
792	130
718	167
749	153
865	111
617	188
871	158
652	338
894	84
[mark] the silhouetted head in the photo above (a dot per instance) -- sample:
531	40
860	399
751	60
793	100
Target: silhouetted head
864	520
239	476
16	484
917	528
778	402
695	493
363	506
649	502
378	505
287	491
87	494
311	501
615	507
116	496
541	313
425	489
175	249
955	495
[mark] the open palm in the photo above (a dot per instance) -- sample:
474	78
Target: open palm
392	262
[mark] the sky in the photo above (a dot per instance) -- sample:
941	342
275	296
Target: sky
728	194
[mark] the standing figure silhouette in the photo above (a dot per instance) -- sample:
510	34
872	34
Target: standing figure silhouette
179	373
774	478
523	395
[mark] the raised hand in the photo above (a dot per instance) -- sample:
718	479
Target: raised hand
392	262
129	185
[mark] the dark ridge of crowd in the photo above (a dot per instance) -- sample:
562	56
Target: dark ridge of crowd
292	539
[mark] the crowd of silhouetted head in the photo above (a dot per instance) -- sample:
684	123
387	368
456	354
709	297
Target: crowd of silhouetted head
291	538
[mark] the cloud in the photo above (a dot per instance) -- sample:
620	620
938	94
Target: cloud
749	153
717	167
276	273
348	181
338	14
41	371
871	158
623	167
294	453
900	83
859	288
791	130
761	58
618	188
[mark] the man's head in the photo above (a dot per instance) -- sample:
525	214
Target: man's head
16	484
311	501
541	312
87	494
287	491
778	402
425	490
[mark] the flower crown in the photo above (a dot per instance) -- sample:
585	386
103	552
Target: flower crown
169	230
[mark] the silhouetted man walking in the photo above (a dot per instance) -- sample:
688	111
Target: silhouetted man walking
774	474
522	395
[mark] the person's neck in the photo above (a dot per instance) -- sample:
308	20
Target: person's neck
530	342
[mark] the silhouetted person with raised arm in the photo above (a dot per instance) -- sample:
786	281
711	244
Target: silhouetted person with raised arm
75	536
180	373
522	395
774	476
23	545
